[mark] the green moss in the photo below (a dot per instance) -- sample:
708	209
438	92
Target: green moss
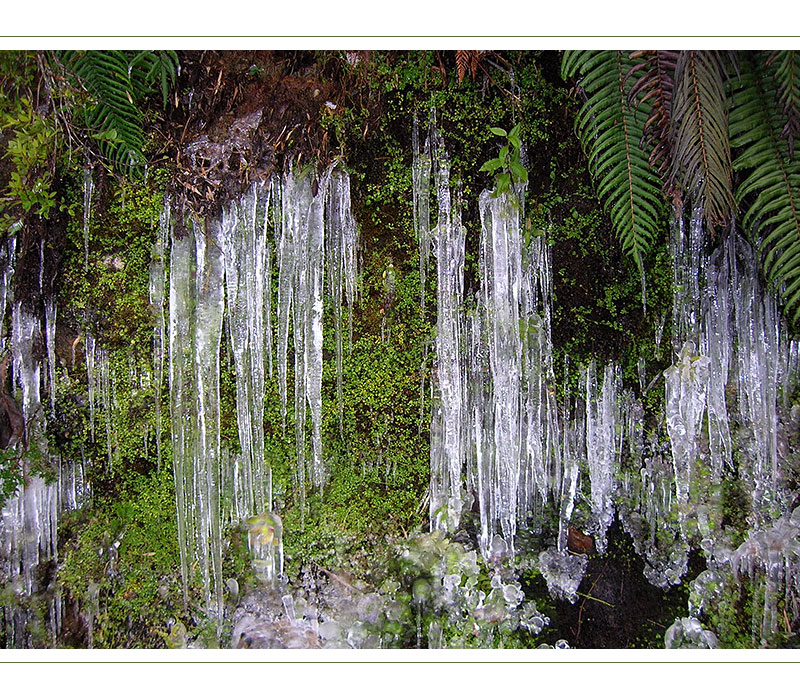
110	297
126	548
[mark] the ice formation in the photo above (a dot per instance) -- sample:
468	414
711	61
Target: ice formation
770	559
265	540
688	633
328	611
223	270
498	430
29	519
196	304
496	427
88	189
447	451
157	290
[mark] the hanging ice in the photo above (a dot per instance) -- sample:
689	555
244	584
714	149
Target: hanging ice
447	443
421	176
88	188
231	258
196	309
603	447
157	289
246	244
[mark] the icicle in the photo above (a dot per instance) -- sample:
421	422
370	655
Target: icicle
50	334
8	251
502	257
30	518
245	247
686	385
644	292
91	380
287	261
88	188
104	366
209	296
314	260
181	382
602	452
421	181
341	243
771	559
573	448
447	456
157	288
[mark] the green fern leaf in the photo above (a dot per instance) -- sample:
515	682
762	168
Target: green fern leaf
702	157
771	188
787	72
610	128
106	77
118	82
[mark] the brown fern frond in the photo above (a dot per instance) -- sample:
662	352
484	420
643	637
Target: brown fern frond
462	64
701	148
475	59
656	85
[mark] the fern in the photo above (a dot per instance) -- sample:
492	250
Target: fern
118	82
155	68
787	72
611	130
467	62
702	159
773	184
656	86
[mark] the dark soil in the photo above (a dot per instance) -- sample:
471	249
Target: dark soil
617	606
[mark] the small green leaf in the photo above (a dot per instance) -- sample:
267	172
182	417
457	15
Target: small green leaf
504	153
520	173
497	131
514	133
513	139
491	165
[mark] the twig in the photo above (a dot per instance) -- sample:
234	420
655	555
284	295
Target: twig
335	577
587	596
653	621
595	599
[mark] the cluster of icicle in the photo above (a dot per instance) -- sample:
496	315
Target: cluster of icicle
29	520
731	385
221	274
498	434
496	428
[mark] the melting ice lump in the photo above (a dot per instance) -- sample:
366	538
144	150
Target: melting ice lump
445	585
562	572
688	633
265	541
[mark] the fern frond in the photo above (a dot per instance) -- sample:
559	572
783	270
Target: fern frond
467	61
118	82
787	71
151	69
462	64
113	119
611	130
772	185
702	158
656	86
